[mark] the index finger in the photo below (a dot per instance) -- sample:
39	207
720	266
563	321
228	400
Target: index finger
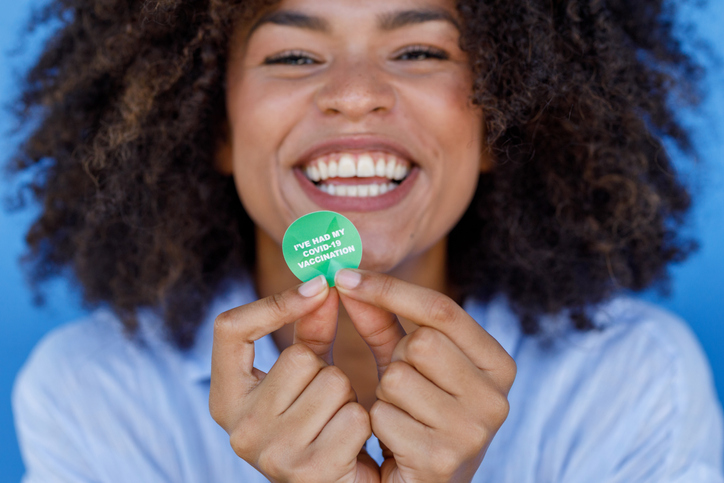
426	308
232	357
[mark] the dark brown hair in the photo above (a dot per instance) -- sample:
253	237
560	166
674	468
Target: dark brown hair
124	105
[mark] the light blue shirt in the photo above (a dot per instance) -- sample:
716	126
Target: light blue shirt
632	403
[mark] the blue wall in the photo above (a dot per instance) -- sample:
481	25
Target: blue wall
698	288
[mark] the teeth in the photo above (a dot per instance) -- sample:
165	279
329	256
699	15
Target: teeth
314	173
347	168
360	190
332	169
323	170
400	172
380	167
365	165
390	171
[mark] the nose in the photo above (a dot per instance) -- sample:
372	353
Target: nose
354	90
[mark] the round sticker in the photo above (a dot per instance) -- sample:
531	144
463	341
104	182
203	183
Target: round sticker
321	243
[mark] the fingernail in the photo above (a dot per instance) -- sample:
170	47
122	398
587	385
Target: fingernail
347	278
313	287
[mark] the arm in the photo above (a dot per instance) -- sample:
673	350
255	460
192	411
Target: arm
48	434
648	409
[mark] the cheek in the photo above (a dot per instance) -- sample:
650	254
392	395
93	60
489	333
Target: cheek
457	134
261	114
441	107
460	124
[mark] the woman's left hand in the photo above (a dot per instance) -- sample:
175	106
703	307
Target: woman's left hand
443	388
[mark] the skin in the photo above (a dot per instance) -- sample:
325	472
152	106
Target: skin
357	86
434	397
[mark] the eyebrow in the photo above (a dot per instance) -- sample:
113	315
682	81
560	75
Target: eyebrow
394	20
386	21
292	19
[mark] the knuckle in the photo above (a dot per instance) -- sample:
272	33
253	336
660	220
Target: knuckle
387	285
510	370
422	341
242	445
301	355
358	416
224	322
277	305
498	408
335	380
378	412
268	462
445	463
479	440
472	436
442	309
392	377
244	438
280	460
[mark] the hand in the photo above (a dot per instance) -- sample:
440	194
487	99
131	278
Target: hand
301	421
443	389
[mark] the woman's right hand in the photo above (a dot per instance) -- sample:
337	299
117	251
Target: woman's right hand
300	422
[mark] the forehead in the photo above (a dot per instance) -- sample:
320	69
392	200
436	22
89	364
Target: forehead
333	6
329	15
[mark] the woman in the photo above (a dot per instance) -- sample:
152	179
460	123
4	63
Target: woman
522	186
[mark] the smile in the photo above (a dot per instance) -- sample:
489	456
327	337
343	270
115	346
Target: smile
357	174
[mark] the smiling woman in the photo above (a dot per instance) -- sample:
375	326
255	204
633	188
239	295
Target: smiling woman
357	103
504	165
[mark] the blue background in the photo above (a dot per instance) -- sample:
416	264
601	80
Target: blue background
697	289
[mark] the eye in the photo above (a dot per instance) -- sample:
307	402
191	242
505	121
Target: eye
422	52
294	57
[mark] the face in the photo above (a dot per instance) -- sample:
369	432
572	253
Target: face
359	107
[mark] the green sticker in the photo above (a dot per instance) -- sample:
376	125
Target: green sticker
321	243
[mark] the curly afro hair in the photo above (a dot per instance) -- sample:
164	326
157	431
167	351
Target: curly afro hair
125	103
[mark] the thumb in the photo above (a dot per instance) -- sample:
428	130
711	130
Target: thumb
318	329
381	330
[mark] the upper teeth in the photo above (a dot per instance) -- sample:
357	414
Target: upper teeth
366	165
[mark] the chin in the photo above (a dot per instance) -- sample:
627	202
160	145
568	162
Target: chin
382	264
379	262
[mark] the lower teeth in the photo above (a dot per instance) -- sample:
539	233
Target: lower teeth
368	190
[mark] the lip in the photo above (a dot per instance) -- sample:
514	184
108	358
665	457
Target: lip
354	144
358	204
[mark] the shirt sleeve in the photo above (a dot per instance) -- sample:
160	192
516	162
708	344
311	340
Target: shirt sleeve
50	443
647	412
91	406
